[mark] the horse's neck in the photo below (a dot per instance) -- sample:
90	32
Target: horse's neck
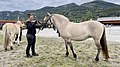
60	24
17	25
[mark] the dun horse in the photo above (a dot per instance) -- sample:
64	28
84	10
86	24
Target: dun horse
9	32
78	32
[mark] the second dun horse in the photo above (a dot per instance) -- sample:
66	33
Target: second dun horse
79	31
9	32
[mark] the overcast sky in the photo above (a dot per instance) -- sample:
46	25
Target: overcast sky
22	5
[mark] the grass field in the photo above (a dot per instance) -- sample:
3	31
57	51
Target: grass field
52	54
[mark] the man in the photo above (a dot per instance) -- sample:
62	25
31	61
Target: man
31	38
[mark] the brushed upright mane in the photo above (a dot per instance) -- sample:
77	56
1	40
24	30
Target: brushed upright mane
61	17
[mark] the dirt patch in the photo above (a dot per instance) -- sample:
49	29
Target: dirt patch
52	54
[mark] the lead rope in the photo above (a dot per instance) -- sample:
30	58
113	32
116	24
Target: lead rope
39	28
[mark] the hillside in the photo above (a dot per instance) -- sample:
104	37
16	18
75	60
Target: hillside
99	4
74	12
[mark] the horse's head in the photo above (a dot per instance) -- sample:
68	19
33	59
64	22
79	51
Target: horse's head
47	21
20	23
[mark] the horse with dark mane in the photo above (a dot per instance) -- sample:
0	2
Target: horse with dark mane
79	31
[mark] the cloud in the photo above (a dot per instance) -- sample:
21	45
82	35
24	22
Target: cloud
37	4
5	0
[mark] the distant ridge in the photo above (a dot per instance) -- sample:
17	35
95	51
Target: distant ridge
99	4
86	11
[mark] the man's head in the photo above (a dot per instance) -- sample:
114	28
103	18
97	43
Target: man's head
30	17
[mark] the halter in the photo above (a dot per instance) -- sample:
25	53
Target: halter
50	22
48	19
45	22
53	25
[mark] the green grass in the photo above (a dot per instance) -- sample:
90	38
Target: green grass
52	54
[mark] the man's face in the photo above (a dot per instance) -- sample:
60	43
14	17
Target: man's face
31	18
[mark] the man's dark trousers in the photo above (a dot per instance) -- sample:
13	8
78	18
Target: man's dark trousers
31	43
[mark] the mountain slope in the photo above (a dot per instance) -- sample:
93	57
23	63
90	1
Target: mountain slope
99	4
74	12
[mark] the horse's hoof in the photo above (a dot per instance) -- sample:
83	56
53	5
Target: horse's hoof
107	60
67	54
14	42
11	48
5	49
96	59
75	56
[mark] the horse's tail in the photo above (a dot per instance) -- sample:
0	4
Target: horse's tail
103	43
5	36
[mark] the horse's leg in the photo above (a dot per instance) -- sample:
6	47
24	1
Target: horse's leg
71	47
66	45
97	43
5	47
20	37
11	41
15	38
18	40
5	39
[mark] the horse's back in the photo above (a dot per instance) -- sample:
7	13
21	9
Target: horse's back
11	28
95	28
84	30
9	25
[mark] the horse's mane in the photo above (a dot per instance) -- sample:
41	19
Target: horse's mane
61	17
18	22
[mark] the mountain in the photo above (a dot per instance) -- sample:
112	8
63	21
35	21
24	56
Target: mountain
99	4
39	13
74	12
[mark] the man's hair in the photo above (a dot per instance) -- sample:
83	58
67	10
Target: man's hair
29	15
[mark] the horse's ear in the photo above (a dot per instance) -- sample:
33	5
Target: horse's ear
49	14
